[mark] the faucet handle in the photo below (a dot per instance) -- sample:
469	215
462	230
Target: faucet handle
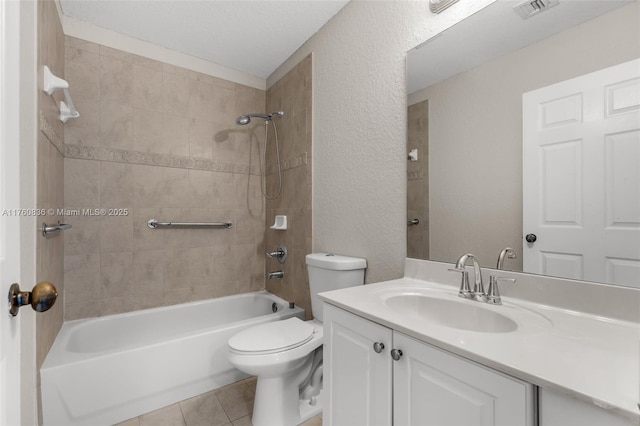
493	292
465	290
279	253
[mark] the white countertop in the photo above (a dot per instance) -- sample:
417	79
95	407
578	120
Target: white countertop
586	356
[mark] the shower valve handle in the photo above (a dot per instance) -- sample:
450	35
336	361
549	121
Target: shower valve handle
279	253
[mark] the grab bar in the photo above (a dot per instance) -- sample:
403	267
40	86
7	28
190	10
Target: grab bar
153	224
54	228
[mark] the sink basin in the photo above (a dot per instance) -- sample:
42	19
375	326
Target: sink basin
462	314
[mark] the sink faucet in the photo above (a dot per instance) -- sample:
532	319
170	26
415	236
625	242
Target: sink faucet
478	288
507	253
493	292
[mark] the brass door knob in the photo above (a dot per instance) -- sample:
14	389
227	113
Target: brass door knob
41	297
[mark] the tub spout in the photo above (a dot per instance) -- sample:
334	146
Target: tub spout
275	274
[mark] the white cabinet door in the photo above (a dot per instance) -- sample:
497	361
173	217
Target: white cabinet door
581	177
357	379
435	388
561	410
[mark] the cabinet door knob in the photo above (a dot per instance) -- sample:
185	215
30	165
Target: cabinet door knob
378	347
396	354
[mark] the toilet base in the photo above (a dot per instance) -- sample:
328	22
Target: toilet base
291	410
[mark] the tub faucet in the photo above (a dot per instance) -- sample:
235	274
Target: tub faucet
478	288
275	274
506	253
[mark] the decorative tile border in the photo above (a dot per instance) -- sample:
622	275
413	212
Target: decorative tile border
166	160
48	131
289	163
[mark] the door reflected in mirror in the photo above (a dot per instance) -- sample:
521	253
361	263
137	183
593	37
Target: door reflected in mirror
466	188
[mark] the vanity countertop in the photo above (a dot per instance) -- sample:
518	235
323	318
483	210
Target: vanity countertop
590	357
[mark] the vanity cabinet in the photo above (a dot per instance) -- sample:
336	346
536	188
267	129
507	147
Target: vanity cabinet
419	385
561	410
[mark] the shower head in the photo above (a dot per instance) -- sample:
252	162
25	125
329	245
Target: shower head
246	119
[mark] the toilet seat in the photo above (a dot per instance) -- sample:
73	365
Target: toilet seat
273	337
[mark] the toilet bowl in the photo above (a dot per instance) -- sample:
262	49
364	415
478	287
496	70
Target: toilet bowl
281	355
286	356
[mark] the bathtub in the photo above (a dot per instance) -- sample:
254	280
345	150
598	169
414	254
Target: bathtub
101	371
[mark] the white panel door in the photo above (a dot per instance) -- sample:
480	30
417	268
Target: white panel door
435	388
10	386
357	378
581	177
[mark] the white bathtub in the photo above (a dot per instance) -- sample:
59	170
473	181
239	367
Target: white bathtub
101	371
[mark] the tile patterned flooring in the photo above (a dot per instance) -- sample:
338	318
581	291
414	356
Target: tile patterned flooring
231	405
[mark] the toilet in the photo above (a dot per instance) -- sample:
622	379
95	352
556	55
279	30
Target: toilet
286	355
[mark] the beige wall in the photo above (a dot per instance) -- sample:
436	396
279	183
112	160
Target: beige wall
292	93
359	126
418	181
50	178
476	133
161	142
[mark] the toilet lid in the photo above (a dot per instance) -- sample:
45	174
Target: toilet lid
274	336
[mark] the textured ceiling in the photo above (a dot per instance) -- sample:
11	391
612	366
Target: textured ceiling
491	32
253	36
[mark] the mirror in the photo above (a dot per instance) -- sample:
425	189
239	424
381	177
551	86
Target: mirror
465	90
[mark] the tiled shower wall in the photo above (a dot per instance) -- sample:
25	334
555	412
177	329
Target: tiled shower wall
292	94
157	141
50	179
418	180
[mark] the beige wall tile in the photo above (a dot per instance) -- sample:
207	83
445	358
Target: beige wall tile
83	237
77	43
116	233
116	274
81	183
82	71
83	285
116	54
175	135
84	130
201	100
116	123
292	93
147	88
175	187
116	79
147	186
147	106
200	138
175	99
148	270
147	130
200	189
116	185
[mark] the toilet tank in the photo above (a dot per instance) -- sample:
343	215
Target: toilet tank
332	272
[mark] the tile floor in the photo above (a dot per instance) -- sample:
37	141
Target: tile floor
231	405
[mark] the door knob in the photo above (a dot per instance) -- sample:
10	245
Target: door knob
378	347
41	297
531	238
396	354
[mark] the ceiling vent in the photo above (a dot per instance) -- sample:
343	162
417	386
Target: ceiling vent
437	6
534	7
